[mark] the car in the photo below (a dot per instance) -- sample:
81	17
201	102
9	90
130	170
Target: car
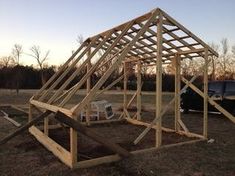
223	92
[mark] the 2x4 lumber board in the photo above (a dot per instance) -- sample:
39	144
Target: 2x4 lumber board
50	107
30	115
185	44
205	101
24	127
137	46
141	136
110	86
65	72
181	123
159	82
122	26
88	88
115	158
210	100
59	71
19	109
92	134
10	120
188	32
84	78
68	81
127	114
164	40
181	38
107	52
177	91
52	146
97	161
79	107
123	44
190	134
137	122
138	90
103	121
73	141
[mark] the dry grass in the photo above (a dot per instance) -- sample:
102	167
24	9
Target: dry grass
24	155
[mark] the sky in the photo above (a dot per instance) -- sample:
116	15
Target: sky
55	24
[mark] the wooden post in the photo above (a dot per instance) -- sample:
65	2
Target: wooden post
139	90
91	133
30	117
73	144
125	88
46	124
88	88
159	82
205	111
177	92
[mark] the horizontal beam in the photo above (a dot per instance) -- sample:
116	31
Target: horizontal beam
52	146
49	107
114	158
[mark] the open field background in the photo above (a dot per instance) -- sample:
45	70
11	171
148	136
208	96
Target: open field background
24	155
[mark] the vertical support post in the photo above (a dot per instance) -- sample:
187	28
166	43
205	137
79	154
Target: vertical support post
138	90
124	88
177	92
88	88
159	82
205	108
30	117
46	126
73	144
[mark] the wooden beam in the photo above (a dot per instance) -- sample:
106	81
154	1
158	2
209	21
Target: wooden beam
188	32
49	107
139	90
52	146
205	100
122	26
137	140
24	127
10	120
125	87
91	133
159	82
80	83
114	158
65	72
177	92
59	71
79	107
68	81
181	123
88	89
210	100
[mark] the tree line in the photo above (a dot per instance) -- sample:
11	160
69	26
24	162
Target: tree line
14	75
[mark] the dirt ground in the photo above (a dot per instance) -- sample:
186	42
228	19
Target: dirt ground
24	155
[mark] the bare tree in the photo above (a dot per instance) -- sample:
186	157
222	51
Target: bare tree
40	58
224	58
5	61
214	61
233	50
17	51
80	39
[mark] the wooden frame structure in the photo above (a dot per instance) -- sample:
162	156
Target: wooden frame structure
154	38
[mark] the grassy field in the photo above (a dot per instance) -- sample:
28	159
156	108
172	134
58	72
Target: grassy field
24	155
